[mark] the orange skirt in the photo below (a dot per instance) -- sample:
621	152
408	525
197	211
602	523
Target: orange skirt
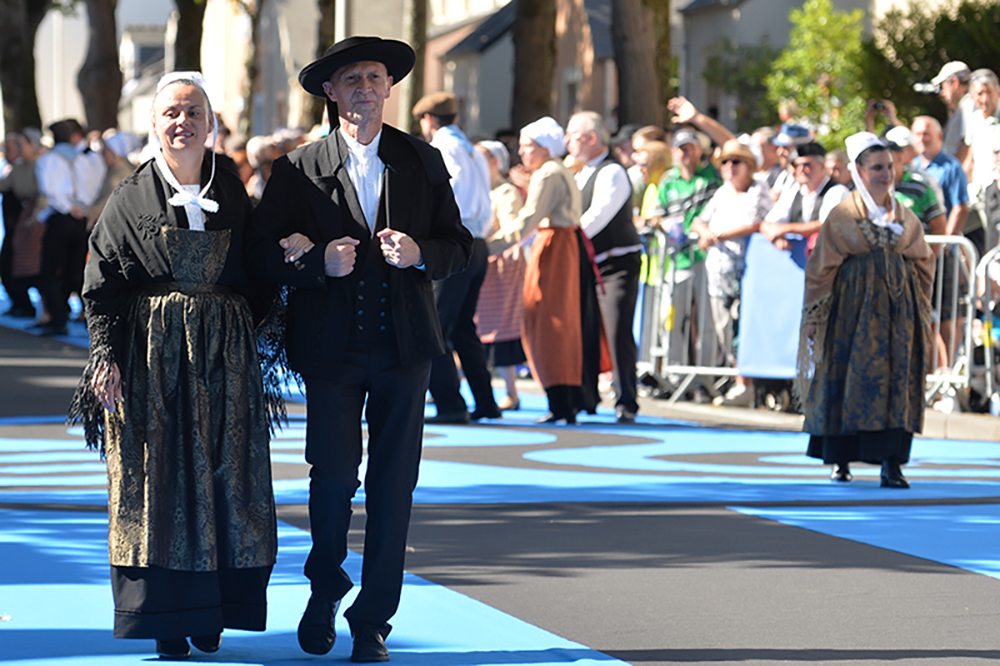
551	330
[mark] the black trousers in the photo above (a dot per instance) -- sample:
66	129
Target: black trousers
64	254
395	417
618	301
457	298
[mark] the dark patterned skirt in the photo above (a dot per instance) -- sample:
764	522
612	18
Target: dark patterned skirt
192	530
870	380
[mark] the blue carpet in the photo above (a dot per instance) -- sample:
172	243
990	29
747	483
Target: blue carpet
56	598
963	536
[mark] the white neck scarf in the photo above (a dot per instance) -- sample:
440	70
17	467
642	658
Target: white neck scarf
181	197
879	215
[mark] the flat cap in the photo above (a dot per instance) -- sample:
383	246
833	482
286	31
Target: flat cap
436	104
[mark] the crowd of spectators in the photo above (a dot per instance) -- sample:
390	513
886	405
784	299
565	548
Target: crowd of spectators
682	200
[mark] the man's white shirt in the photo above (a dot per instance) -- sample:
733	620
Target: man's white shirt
470	178
782	211
69	176
366	170
612	189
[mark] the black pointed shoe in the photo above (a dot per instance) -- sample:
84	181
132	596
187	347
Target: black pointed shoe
892	475
173	649
841	473
316	630
369	643
208	643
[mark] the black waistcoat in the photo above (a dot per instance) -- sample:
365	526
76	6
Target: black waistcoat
372	311
796	214
620	231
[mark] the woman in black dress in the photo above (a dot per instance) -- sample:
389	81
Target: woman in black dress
174	395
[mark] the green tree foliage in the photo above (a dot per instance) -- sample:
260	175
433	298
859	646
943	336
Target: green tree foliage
820	70
910	46
740	70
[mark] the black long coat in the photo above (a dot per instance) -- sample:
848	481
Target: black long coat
310	192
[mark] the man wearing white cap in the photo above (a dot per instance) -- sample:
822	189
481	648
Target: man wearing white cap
953	84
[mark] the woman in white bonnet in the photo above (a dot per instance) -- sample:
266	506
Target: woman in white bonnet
866	325
173	394
560	308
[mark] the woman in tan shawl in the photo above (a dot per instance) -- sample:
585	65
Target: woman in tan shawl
866	325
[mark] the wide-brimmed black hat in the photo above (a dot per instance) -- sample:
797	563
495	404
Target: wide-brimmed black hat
397	57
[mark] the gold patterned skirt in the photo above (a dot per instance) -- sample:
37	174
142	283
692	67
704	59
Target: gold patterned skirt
190	502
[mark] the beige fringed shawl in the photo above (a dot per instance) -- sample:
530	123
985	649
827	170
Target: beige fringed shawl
840	237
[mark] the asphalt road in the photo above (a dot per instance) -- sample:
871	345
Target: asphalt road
648	583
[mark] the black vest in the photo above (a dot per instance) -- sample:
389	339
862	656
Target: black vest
620	231
796	212
370	279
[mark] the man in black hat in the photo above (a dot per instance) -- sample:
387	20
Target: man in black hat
358	225
801	210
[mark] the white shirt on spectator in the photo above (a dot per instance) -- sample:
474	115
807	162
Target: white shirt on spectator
365	169
69	176
470	178
957	126
980	134
782	211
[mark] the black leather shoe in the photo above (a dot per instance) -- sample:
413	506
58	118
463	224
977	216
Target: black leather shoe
841	473
625	416
316	630
369	643
173	649
209	643
892	475
449	418
486	414
555	419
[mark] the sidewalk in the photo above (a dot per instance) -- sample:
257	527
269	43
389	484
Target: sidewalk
964	426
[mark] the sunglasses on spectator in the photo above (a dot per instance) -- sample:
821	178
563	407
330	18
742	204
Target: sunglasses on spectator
732	160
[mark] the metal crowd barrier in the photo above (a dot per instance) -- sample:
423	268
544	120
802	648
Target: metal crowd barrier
962	296
989	393
659	319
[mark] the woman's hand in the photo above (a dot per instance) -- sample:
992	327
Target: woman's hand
520	177
107	384
295	246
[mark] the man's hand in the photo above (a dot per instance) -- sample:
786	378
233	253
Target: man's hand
772	230
77	211
339	256
295	246
399	249
107	385
683	110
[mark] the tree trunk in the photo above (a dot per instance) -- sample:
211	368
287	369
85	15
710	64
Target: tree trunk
663	60
18	28
634	38
100	77
534	60
187	46
412	89
255	10
326	36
